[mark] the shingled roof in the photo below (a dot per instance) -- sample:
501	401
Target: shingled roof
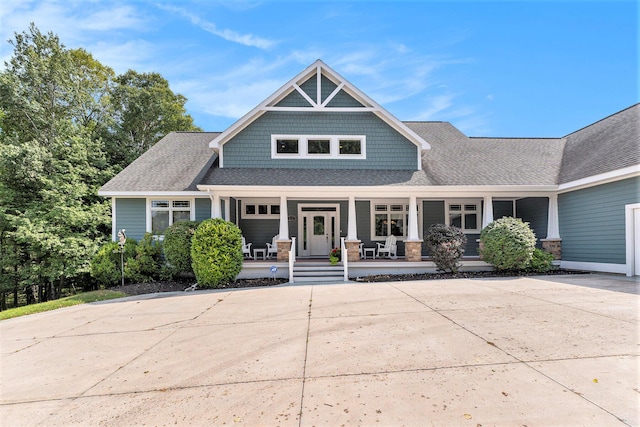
610	144
175	163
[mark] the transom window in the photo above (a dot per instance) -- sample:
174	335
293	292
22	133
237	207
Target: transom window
464	215
318	146
260	210
167	212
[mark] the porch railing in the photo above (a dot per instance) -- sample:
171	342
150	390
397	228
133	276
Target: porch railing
345	259
292	258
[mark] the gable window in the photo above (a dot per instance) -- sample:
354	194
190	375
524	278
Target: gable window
390	219
167	212
464	215
318	146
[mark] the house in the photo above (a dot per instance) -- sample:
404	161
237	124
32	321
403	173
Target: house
319	161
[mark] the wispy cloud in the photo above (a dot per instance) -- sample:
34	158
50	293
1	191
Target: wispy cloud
226	34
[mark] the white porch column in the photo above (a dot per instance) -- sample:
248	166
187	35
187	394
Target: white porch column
227	208
284	219
215	205
413	219
352	230
487	212
553	227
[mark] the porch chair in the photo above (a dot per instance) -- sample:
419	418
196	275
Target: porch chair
272	248
389	248
361	250
246	248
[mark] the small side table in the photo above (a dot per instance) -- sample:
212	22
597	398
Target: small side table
370	251
261	252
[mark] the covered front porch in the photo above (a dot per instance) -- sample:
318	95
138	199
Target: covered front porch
291	227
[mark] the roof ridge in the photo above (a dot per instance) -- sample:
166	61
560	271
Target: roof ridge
603	119
516	137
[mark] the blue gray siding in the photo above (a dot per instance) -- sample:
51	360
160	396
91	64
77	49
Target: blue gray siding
502	208
534	210
131	214
385	148
592	224
203	209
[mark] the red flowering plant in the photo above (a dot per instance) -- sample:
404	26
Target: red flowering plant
334	255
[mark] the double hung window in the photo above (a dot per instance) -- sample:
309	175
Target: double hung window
167	212
465	215
389	219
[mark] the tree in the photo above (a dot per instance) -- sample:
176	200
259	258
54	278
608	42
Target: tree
145	110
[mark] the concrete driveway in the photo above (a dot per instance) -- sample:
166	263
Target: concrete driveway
546	351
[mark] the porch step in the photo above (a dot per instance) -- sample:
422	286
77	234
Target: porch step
306	272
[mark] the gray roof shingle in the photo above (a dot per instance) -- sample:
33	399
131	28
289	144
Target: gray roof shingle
175	163
607	145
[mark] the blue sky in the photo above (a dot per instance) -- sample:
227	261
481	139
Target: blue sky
509	68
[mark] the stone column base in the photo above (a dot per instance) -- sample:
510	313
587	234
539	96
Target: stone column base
413	250
284	246
353	250
480	248
553	246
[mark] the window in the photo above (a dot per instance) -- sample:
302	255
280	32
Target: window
390	219
167	212
318	146
259	209
464	215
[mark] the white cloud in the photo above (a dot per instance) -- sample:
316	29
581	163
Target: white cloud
226	34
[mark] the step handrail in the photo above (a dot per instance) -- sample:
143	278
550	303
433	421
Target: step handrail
345	259
292	258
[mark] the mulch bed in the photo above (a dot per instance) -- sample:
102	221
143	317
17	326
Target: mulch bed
181	285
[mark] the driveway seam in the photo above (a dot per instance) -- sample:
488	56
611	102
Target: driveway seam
306	352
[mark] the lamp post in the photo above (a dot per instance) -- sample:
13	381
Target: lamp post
122	239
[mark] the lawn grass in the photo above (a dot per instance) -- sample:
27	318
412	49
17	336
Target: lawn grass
82	298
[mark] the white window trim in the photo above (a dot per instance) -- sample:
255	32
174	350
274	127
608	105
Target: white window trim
256	202
405	204
462	202
192	208
303	148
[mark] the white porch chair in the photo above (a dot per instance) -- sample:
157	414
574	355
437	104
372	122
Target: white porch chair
361	250
272	248
388	249
246	248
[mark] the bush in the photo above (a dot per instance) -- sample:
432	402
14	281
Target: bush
177	246
508	244
105	264
541	261
216	252
446	246
146	264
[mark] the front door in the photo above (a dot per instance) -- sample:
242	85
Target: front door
319	231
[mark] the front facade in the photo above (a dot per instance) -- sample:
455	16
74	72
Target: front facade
319	165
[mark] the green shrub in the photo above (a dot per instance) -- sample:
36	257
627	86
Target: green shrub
146	264
541	261
216	251
105	264
446	246
177	246
508	244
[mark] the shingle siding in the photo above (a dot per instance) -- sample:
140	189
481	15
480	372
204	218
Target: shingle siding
385	148
131	214
592	222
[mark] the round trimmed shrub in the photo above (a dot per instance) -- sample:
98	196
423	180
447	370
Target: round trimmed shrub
541	261
105	264
216	252
177	246
446	245
508	244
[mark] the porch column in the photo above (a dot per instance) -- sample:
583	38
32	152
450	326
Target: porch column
487	212
283	241
215	205
553	242
351	242
413	244
227	208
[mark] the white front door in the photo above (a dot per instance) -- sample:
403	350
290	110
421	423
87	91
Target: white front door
319	231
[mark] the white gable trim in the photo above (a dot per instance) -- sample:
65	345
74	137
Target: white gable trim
320	69
603	178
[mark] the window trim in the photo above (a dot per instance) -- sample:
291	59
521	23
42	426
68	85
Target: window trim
303	147
389	211
170	209
463	211
257	202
